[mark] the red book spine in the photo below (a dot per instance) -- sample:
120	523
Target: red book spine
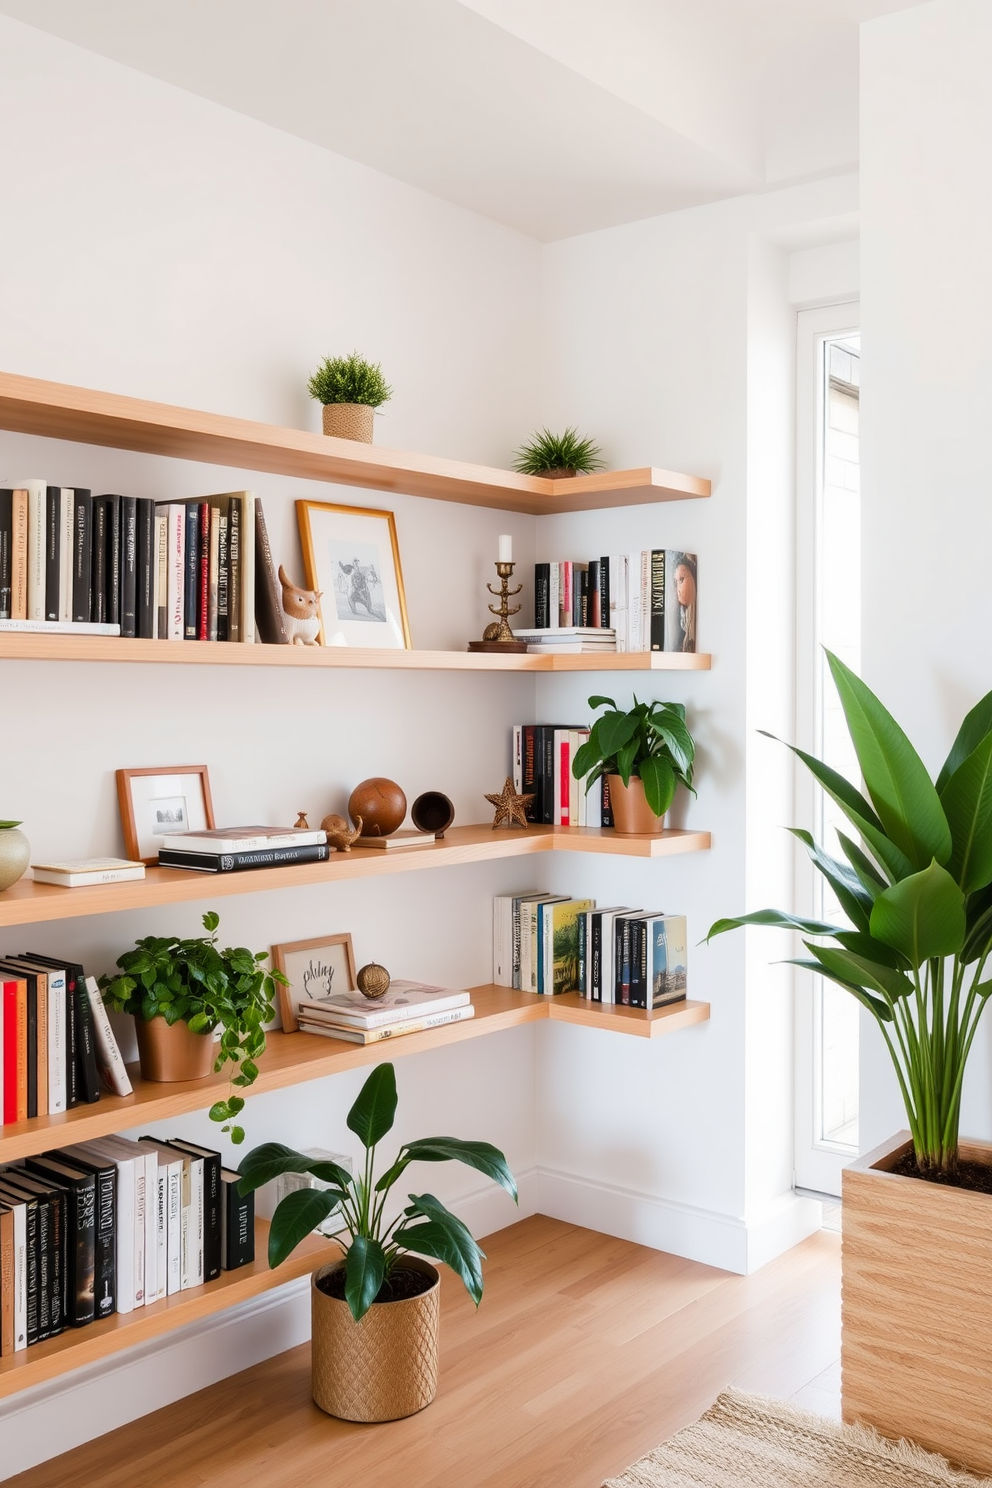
203	619
566	775
565	594
9	991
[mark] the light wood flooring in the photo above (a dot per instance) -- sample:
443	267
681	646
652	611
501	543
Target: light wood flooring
586	1352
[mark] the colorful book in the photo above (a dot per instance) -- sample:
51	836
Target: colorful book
558	939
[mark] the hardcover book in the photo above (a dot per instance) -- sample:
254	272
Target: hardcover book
237	1223
680	600
274	857
402	1000
80	872
558	941
354	1035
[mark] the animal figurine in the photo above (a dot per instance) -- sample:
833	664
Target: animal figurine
301	607
339	834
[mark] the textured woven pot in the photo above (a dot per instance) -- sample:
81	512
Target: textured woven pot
349	421
169	1054
15	855
631	812
385	1366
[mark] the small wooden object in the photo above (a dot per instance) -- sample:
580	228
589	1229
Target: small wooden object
432	812
373	981
499	636
301	821
381	805
339	834
511	809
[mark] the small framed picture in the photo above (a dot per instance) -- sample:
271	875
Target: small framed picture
353	561
312	968
160	802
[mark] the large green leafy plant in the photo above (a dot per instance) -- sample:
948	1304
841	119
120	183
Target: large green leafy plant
374	1243
649	740
916	889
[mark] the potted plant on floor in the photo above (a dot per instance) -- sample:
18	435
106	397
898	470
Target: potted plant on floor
558	455
915	887
645	753
351	389
180	992
375	1310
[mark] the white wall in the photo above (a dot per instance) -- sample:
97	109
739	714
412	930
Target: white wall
926	123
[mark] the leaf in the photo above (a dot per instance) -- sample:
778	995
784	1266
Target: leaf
967	803
978	921
859	813
445	1238
659	783
879	1010
211	920
870	878
299	1213
598	701
615	730
479	1155
272	1159
775	918
365	1268
872	976
372	1115
923	916
586	758
974	727
852	897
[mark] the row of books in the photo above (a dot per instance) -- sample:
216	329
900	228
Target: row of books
57	1048
406	1007
552	943
112	1225
648	599
541	766
235	849
127	565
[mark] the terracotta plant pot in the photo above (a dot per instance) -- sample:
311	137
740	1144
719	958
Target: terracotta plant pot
349	421
916	1309
385	1366
15	855
631	812
169	1054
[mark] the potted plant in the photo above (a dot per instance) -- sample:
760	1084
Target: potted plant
180	992
558	455
375	1310
15	853
644	753
915	889
351	389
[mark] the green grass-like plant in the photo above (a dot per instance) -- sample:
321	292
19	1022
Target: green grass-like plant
6	824
649	740
374	1246
564	453
916	892
349	379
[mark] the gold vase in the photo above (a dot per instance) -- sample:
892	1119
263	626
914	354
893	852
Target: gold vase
349	421
631	812
170	1054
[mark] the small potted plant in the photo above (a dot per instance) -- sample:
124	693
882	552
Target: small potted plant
644	753
15	853
351	389
558	455
179	993
375	1310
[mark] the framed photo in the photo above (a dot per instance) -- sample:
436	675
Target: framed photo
313	968
159	802
353	561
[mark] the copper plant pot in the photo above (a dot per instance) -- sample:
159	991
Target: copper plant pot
349	421
631	812
382	1368
169	1054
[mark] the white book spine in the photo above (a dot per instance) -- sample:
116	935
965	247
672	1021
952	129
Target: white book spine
527	912
554	593
67	502
594	803
37	492
645	601
161	1231
112	1071
177	571
518	758
56	1042
185	1211
503	940
149	1161
174	1280
248	567
20	1277
138	1229
125	1235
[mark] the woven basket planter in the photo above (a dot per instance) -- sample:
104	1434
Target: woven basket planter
385	1366
349	421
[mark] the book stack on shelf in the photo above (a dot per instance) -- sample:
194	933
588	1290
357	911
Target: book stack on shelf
112	1225
406	1007
541	758
235	849
568	640
552	944
647	599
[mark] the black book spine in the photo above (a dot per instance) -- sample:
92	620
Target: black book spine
105	1243
582	921
89	1077
6	552
234	515
604	593
191	578
548	774
53	550
33	1268
146	562
542	596
658	599
112	579
638	963
58	1245
237	1225
212	1202
81	1252
98	585
596	958
82	554
595	615
44	1237
582	594
607	809
222	515
622	952
72	992
528	769
272	857
129	566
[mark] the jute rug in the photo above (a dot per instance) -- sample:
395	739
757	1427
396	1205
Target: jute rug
746	1441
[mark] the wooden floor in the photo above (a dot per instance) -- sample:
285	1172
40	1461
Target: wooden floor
586	1352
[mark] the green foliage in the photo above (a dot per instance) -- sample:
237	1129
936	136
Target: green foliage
374	1246
5	824
196	983
649	741
917	895
349	379
546	453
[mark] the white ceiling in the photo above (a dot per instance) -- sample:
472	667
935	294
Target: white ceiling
555	117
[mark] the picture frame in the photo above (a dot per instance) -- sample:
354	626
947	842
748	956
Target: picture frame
159	801
352	559
312	968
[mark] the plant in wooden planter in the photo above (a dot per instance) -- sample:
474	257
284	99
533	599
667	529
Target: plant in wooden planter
645	753
915	886
558	455
375	1311
351	389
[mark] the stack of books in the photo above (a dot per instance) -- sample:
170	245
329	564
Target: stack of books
541	766
565	639
407	1007
234	849
648	599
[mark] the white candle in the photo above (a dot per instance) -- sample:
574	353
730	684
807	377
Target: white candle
506	548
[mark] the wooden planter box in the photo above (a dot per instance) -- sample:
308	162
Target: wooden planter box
916	1343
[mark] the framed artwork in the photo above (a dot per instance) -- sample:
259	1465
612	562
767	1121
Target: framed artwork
159	802
352	559
312	968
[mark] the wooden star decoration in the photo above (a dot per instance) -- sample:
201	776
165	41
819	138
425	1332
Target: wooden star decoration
511	809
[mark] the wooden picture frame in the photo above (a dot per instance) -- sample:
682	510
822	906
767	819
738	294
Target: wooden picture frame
161	800
310	973
352	559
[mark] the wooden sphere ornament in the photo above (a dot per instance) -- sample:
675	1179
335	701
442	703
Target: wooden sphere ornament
432	812
373	981
381	805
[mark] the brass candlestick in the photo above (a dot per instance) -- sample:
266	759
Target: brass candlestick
499	636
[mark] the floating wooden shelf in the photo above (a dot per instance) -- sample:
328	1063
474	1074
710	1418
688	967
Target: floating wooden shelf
57	411
37	646
30	903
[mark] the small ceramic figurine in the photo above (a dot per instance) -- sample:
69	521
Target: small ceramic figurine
339	834
301	821
302	611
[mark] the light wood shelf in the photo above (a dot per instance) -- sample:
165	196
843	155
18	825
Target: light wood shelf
78	1346
37	646
57	411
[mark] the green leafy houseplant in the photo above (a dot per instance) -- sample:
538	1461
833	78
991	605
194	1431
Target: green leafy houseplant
196	983
649	741
349	379
916	889
374	1245
558	454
